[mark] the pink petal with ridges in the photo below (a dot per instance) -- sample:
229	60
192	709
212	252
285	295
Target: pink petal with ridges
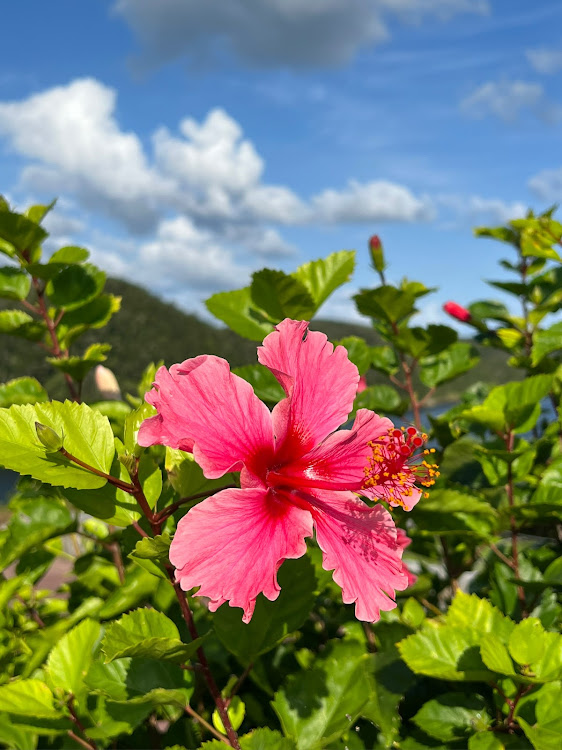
233	544
360	545
320	383
214	411
339	462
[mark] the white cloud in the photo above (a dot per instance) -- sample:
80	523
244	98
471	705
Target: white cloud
477	209
372	201
506	100
71	133
271	33
545	60
547	184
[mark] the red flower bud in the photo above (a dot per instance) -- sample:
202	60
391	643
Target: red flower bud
377	255
457	311
362	385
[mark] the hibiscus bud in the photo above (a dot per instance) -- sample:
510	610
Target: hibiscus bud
362	384
457	311
377	255
48	438
107	384
128	461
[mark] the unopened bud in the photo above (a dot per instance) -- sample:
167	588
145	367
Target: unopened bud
95	527
107	384
129	462
362	384
457	311
48	438
377	255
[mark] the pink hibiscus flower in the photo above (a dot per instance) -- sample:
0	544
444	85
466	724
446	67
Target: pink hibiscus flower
298	474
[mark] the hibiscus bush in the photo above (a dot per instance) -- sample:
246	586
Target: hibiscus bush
297	554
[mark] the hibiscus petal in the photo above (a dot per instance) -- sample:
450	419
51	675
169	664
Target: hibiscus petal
204	407
320	383
340	461
404	541
360	545
233	544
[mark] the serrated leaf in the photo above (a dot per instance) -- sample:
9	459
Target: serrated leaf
70	254
389	680
20	232
87	436
259	739
281	296
146	633
14	283
526	642
485	741
385	303
445	652
318	705
323	276
237	310
28	698
449	364
78	367
545	342
469	610
453	716
12	321
22	391
263	381
495	655
70	660
75	285
271	621
152	548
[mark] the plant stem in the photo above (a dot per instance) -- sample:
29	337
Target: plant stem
130	488
509	439
170	509
57	352
200	720
73	715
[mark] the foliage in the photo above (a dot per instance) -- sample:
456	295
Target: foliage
115	655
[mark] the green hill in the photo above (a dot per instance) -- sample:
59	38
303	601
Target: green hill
148	329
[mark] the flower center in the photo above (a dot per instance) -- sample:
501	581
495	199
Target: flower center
397	462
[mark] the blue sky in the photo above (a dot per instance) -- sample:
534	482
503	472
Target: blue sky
191	143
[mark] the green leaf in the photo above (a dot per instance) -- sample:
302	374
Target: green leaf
38	212
453	716
22	391
236	712
20	232
263	381
468	610
259	739
389	681
187	478
271	621
546	733
34	520
445	652
385	303
238	311
146	633
485	741
281	296
16	737
74	285
495	655
490	310
449	364
322	277
14	283
526	643
546	342
358	351
70	254
78	367
381	398
318	705
153	548
13	320
384	359
70	660
28	698
87	436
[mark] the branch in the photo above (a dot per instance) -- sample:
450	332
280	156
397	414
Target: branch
196	717
125	486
